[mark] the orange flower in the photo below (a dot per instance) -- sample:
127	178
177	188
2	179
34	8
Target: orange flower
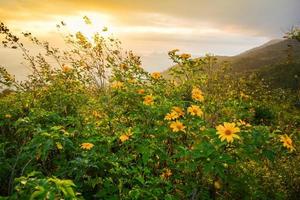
66	68
287	142
87	146
148	100
124	137
185	56
195	110
177	126
141	91
197	94
96	114
156	75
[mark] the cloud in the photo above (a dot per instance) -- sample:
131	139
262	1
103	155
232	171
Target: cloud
151	28
269	17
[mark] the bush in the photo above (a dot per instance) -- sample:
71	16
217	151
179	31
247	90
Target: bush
110	130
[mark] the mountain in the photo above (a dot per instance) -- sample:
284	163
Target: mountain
277	61
271	53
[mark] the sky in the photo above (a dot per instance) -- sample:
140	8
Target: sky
152	28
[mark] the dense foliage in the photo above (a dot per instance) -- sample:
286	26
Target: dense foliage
97	126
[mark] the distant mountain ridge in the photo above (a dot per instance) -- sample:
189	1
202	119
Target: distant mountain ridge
271	53
269	61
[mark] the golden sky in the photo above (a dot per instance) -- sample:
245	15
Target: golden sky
151	28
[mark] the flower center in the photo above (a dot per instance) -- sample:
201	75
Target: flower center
227	132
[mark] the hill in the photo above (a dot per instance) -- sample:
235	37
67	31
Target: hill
271	53
277	61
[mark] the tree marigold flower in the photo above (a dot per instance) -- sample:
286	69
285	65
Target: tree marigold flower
7	116
117	85
124	137
171	116
227	131
96	114
156	75
148	100
141	91
195	110
178	111
132	80
66	68
166	174
197	94
244	96
243	123
185	56
217	184
177	126
287	142
123	66
59	145
87	145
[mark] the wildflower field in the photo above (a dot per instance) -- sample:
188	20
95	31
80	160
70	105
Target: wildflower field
96	125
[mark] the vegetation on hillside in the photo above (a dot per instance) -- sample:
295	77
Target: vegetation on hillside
97	126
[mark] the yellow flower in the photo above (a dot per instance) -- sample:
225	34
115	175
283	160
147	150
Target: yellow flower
195	110
117	85
178	111
156	75
123	66
132	80
171	116
166	174
185	56
177	126
141	91
87	146
243	123
59	145
197	94
124	137
8	116
148	100
287	142
202	128
244	96
96	114
217	184
227	131
66	68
